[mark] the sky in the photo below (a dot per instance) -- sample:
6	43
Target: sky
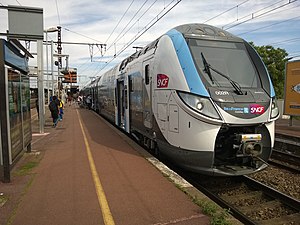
124	24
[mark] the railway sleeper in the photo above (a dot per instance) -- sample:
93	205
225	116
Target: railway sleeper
247	199
267	210
288	219
287	146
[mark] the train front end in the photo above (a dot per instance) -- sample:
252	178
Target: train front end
227	106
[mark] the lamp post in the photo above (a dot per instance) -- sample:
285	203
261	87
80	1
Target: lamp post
50	30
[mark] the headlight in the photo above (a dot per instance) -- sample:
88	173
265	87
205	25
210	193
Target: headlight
199	104
274	109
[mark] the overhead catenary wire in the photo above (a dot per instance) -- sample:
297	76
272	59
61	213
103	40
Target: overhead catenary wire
149	25
114	44
228	10
254	16
294	55
270	25
18	2
130	5
275	23
138	19
145	29
285	41
119	21
123	34
57	11
83	35
251	14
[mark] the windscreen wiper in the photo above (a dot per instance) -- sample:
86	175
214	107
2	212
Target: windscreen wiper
234	84
206	68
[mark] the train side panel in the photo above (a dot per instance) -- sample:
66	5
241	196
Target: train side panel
106	97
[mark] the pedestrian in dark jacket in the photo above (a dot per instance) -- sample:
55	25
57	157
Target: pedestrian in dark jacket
54	109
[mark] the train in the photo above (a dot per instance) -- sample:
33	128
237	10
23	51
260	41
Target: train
198	95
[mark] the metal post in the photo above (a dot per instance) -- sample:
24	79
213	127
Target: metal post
59	48
47	68
40	85
50	30
58	84
52	65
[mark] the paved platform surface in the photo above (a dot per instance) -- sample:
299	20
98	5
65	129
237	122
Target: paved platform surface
60	188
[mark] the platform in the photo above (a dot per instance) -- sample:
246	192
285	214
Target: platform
85	171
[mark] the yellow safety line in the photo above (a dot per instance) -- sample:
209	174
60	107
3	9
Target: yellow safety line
106	214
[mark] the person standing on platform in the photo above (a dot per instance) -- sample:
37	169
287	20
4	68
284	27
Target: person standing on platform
54	109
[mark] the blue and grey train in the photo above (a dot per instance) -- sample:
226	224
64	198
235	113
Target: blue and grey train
198	95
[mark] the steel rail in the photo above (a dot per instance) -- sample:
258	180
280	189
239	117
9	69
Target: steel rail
285	160
249	182
283	198
233	210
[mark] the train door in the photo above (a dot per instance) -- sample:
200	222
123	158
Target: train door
130	93
147	95
122	105
93	94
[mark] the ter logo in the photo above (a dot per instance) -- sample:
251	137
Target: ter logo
162	81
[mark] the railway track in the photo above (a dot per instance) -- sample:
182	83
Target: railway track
285	160
286	153
286	143
250	201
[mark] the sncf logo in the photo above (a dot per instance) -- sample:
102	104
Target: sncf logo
162	81
257	109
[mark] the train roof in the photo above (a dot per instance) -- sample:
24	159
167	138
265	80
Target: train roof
137	54
196	30
193	30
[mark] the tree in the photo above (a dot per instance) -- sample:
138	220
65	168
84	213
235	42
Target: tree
274	60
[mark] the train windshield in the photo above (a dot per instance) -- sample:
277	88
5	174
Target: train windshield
229	58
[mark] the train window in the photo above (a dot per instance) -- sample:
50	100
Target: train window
116	96
125	96
229	58
131	85
147	74
216	44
